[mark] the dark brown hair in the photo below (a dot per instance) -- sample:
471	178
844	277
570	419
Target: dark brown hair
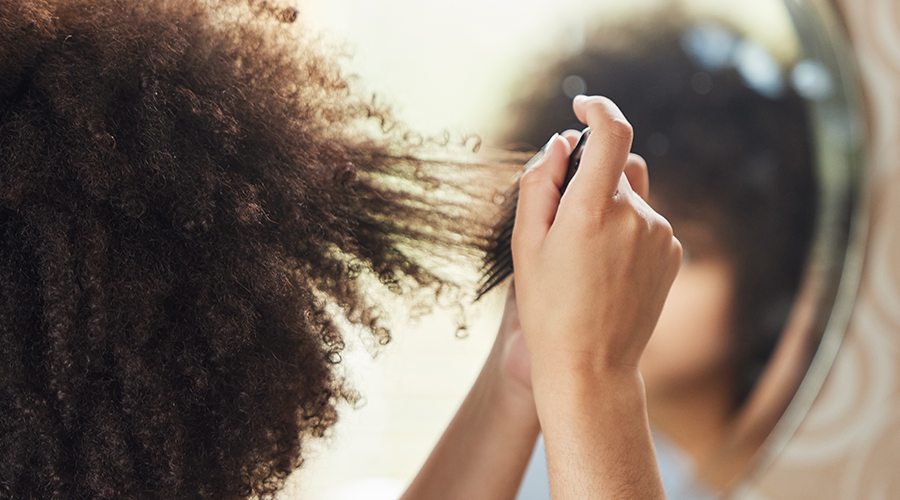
189	196
718	151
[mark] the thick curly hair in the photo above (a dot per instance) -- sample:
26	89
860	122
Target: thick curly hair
737	160
191	199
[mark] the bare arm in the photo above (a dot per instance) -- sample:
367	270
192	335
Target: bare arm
485	449
593	268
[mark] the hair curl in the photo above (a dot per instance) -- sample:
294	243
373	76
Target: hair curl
188	193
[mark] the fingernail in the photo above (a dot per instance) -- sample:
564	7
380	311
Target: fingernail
552	138
579	97
540	154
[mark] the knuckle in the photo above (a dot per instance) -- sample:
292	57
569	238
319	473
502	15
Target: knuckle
653	229
610	119
668	244
631	227
637	224
664	226
676	254
676	250
620	130
637	161
531	178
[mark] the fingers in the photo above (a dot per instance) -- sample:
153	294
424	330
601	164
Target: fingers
572	136
539	194
607	150
636	172
511	291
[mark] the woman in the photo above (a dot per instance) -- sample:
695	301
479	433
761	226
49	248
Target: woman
191	200
732	166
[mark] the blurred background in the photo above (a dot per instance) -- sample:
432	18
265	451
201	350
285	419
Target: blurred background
452	66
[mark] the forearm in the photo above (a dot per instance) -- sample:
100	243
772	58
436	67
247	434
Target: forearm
485	449
597	435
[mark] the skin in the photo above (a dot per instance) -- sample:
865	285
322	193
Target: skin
686	365
485	449
592	274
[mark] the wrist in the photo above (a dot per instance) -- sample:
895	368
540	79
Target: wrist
589	362
595	425
509	398
587	385
505	382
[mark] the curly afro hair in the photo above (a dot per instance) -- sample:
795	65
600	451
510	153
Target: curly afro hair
190	200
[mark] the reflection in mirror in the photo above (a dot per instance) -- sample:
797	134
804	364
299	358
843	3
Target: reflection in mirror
726	136
834	267
750	140
731	134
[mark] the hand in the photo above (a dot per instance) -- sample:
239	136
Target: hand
510	343
594	266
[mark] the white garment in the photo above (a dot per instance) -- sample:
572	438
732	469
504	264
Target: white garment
675	468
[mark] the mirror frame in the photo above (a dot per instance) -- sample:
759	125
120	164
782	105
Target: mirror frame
823	36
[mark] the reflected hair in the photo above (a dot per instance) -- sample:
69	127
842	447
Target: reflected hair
736	158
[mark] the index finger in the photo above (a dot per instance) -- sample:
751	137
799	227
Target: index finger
606	151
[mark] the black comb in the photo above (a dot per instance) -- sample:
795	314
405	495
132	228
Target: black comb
498	264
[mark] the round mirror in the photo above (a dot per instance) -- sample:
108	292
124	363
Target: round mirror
748	115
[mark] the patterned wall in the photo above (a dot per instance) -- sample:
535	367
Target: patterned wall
848	446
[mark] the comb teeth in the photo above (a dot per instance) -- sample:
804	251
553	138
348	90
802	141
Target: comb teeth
498	262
